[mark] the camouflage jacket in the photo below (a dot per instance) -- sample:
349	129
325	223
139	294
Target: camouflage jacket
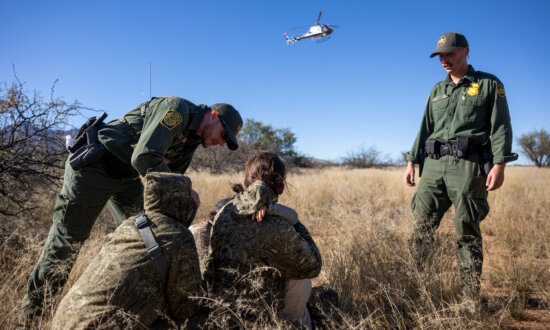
250	259
122	286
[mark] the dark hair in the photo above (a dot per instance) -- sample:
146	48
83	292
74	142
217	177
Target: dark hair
266	167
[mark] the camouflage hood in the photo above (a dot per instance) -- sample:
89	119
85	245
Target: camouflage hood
255	196
169	194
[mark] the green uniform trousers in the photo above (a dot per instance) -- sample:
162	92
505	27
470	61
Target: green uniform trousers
460	182
83	196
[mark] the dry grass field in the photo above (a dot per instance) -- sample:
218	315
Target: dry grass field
360	220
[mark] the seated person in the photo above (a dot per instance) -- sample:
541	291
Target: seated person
282	253
201	230
123	286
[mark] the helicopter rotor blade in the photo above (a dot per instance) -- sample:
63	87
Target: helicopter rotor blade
319	18
299	27
333	26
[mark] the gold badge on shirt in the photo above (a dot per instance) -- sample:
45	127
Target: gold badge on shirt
474	89
171	119
500	90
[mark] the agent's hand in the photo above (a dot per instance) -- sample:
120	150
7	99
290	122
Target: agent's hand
196	197
495	179
409	175
260	214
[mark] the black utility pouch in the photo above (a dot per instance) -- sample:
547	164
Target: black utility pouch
89	153
433	148
462	146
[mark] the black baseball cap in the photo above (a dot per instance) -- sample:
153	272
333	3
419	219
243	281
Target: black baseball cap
231	121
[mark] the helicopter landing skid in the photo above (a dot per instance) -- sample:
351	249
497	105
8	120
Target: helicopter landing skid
323	39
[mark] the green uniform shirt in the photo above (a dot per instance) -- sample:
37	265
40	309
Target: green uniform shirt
476	107
168	135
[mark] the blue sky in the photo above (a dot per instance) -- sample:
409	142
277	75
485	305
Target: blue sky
366	86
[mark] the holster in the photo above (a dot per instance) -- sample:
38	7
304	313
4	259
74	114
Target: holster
89	153
461	146
486	159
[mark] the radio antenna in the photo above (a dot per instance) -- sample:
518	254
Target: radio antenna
150	80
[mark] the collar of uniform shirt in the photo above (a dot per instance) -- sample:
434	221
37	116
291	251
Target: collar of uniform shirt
197	118
469	76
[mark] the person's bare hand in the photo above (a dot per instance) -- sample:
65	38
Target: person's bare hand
196	197
409	175
495	179
260	214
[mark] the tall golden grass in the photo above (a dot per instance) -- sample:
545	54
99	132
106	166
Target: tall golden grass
360	219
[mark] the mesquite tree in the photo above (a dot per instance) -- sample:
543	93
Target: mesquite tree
32	148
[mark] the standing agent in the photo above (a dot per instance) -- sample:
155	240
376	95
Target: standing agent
160	135
465	129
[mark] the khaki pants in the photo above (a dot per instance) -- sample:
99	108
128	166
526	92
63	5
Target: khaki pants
297	294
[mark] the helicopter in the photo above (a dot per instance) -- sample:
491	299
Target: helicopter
316	31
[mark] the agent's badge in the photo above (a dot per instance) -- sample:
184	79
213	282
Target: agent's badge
500	90
474	89
441	40
171	119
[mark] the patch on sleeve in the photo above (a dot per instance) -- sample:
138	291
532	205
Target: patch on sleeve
171	119
500	90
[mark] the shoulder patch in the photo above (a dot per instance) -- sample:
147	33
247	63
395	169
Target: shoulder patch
500	90
171	119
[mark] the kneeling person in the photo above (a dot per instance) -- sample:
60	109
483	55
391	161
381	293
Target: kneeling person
123	285
277	251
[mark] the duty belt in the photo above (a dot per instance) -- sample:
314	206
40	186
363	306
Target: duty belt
459	149
447	149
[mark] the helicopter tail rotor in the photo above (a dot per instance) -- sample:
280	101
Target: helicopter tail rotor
289	41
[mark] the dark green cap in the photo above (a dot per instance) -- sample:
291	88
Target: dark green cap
231	121
448	42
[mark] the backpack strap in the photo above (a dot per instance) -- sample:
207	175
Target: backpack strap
151	244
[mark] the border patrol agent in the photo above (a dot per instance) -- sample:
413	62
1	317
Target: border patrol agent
465	129
160	135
